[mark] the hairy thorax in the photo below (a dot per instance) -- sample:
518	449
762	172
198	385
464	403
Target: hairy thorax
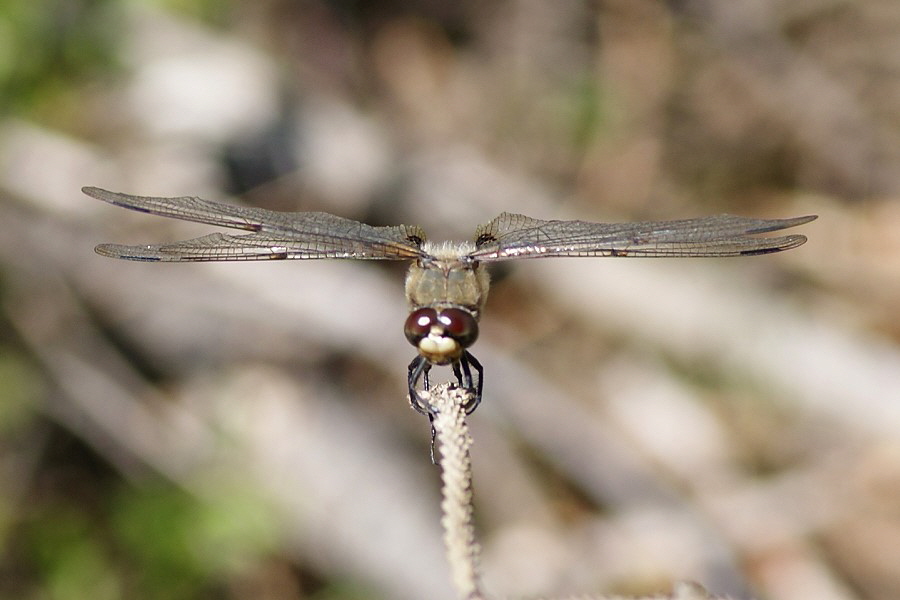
449	278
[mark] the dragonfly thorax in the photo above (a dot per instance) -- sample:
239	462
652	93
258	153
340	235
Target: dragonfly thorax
447	277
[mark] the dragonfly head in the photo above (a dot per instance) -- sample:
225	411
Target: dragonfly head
441	334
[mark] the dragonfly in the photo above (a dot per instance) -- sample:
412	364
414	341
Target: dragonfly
447	282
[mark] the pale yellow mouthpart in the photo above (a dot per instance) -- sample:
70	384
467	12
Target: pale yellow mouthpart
439	349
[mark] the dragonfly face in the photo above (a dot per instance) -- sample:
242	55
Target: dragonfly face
447	283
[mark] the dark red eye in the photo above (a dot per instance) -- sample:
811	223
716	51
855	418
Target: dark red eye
459	325
418	324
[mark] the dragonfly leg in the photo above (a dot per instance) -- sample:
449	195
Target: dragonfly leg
433	436
463	371
418	369
469	362
464	377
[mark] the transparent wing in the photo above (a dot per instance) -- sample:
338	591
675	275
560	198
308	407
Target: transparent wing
276	235
517	236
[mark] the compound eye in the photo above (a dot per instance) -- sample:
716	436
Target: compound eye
418	324
460	325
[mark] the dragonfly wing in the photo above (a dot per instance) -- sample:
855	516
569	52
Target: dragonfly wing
277	235
518	236
188	208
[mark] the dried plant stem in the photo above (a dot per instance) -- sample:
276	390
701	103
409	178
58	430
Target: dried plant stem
454	442
456	472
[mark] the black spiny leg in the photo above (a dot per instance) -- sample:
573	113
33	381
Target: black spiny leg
418	369
465	380
463	371
466	361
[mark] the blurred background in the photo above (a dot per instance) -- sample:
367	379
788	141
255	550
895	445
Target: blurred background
242	431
